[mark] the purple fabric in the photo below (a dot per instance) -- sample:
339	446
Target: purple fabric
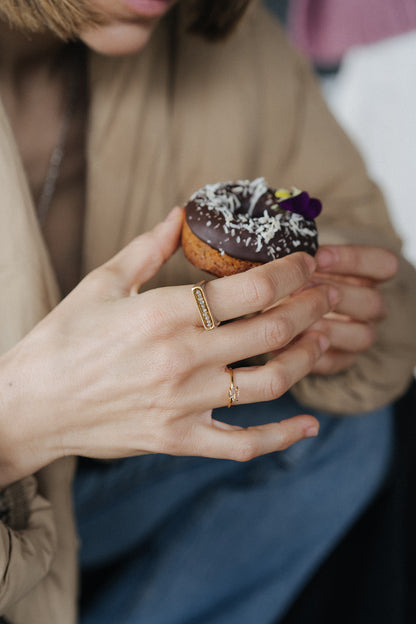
326	29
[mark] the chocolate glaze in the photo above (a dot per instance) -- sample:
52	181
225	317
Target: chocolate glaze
244	220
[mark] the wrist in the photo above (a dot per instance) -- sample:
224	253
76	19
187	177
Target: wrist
24	447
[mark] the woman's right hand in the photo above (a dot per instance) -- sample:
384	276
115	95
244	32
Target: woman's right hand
111	372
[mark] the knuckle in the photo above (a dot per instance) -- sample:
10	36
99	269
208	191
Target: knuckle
110	272
105	281
174	362
319	302
96	280
277	333
171	363
246	449
286	438
259	290
286	442
312	350
351	258
296	270
300	268
152	320
277	383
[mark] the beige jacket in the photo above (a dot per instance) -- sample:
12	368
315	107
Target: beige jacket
181	114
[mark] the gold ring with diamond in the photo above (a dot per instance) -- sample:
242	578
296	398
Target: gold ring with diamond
233	391
205	313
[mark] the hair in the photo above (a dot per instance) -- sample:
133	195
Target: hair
212	19
65	18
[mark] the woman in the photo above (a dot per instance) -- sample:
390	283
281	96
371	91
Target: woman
109	373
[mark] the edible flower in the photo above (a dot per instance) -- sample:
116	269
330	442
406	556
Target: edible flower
299	202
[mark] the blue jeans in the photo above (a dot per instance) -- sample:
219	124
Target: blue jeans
200	541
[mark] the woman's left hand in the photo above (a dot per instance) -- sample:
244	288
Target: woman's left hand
357	271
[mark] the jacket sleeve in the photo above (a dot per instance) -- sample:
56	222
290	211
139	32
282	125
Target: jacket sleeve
38	548
320	158
27	541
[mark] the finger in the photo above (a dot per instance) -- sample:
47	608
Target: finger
357	260
361	303
333	362
228	442
358	302
271	330
268	382
241	294
208	387
259	288
142	258
343	279
347	335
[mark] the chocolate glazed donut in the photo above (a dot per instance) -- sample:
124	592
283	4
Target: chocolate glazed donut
233	226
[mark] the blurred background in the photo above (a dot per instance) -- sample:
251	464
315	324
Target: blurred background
364	53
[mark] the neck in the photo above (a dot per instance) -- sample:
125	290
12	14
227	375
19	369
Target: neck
21	53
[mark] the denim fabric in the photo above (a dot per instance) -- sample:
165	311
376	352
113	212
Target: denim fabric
200	541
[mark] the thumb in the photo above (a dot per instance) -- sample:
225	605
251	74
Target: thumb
141	259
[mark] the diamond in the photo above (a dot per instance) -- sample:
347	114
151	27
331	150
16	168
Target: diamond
234	394
203	307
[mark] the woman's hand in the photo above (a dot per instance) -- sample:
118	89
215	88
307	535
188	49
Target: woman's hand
112	373
357	271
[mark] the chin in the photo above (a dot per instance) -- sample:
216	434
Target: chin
118	39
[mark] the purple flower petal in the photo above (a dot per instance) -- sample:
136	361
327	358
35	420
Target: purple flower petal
302	204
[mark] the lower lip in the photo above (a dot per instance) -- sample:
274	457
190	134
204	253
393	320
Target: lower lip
148	8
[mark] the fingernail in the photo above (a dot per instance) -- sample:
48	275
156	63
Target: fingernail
325	258
324	342
334	296
312	432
